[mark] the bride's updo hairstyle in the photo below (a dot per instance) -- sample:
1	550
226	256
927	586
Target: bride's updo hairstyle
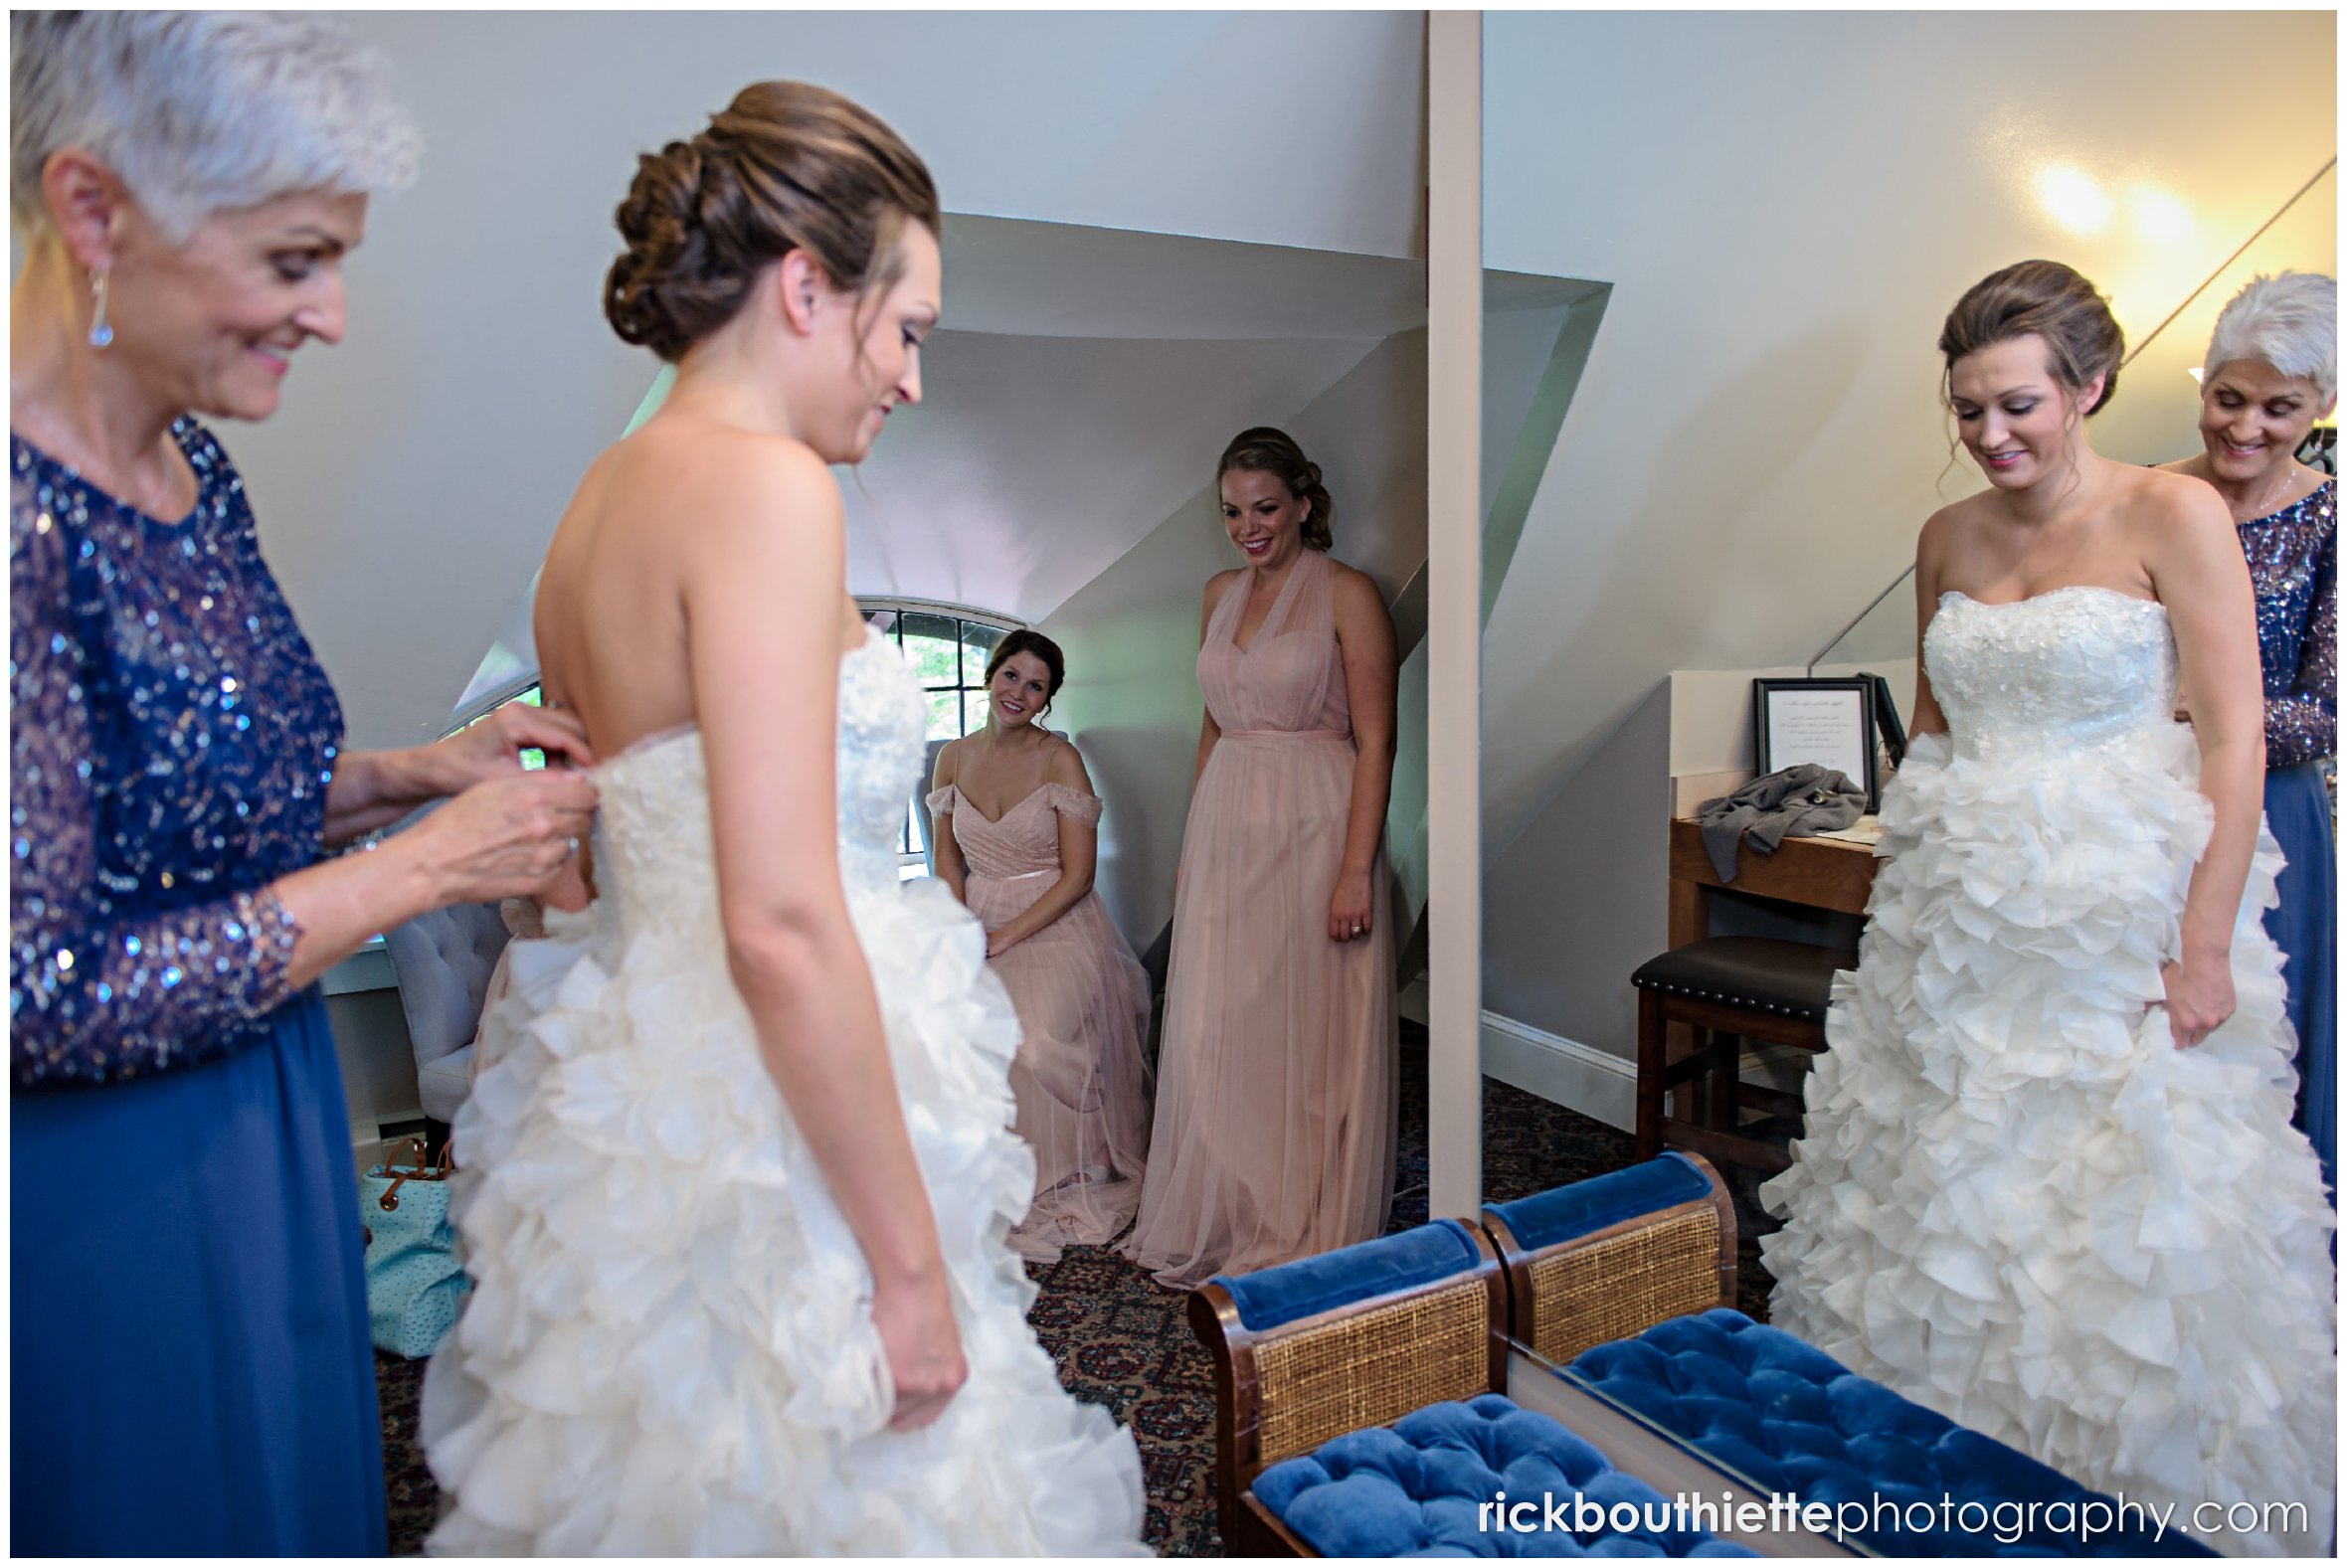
2046	299
784	166
1265	450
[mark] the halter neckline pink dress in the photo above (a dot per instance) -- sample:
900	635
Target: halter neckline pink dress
1276	1078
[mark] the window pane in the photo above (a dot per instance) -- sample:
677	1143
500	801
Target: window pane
945	715
977	645
882	622
930	648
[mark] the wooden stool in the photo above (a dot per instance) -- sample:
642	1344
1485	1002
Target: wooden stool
1727	989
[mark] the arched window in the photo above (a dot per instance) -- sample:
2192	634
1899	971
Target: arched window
947	646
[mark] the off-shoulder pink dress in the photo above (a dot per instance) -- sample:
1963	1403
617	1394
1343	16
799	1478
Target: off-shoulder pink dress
1080	1080
1277	1072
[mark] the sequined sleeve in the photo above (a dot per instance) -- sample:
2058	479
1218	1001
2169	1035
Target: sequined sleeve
2302	724
93	997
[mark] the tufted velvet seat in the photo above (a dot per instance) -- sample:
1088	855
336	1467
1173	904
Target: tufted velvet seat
1786	1417
1326	1346
444	960
1418	1488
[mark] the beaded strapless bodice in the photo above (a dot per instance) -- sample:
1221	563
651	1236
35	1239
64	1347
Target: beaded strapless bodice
654	856
2076	670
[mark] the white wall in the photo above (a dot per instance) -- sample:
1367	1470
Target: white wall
1785	206
411	482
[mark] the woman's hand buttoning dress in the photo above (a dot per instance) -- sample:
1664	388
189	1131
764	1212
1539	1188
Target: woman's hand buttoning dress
1274	1136
2049	1185
189	1345
1016	834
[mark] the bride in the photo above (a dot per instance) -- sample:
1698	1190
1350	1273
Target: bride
739	1173
2049	1186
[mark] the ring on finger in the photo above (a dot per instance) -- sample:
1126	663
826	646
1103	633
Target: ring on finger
571	847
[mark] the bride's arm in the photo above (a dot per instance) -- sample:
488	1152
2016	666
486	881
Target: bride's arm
2199	574
1926	718
766	611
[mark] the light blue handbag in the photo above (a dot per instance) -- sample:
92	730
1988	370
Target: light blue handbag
415	1281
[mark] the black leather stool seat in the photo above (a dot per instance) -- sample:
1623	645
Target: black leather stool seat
1791	978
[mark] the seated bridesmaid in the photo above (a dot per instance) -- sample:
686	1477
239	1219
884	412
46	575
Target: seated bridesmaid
1017	828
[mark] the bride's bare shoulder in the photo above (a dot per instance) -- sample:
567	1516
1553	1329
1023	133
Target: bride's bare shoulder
720	478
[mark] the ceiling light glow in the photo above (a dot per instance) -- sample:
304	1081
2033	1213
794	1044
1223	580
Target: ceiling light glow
2159	215
2073	199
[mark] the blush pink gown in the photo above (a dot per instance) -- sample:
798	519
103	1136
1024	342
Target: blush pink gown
1079	1080
1277	1073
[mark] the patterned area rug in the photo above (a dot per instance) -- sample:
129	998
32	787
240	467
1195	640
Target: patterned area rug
1123	1341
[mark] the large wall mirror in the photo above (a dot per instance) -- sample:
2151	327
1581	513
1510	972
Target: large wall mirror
1735	428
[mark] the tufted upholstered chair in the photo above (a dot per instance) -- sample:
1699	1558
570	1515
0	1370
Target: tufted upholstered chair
443	961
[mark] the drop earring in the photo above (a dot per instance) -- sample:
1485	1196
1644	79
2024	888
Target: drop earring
101	332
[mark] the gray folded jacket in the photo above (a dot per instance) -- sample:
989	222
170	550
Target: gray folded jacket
1792	803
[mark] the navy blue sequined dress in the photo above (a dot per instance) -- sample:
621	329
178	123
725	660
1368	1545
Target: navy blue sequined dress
2294	561
189	1356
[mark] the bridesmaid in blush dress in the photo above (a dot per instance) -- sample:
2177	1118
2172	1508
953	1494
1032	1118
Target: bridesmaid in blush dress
1016	833
1275	1120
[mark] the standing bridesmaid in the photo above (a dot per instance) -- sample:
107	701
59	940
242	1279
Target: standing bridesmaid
2272	370
1275	1121
1016	833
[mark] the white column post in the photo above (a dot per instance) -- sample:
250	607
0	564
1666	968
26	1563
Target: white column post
1454	631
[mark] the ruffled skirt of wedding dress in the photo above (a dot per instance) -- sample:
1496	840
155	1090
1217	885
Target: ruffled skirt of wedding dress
2017	1201
670	1350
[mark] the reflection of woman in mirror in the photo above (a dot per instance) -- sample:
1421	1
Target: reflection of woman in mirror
1017	829
2272	370
1275	1127
2049	1185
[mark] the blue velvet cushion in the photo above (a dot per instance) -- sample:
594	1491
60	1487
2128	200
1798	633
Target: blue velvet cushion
1420	1489
1791	1418
1272	1297
1564	1213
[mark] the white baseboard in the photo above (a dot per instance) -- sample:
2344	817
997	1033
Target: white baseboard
1597	1084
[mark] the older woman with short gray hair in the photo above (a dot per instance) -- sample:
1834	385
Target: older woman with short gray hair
190	1368
2272	370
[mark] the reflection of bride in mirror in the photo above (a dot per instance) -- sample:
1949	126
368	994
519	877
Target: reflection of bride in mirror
2272	370
1275	1121
2049	1185
1018	834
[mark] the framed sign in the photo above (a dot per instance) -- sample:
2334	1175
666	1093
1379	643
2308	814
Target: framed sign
1830	722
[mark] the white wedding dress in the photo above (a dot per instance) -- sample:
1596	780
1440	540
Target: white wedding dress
2017	1202
670	1350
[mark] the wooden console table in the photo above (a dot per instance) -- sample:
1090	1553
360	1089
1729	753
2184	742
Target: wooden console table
1822	873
